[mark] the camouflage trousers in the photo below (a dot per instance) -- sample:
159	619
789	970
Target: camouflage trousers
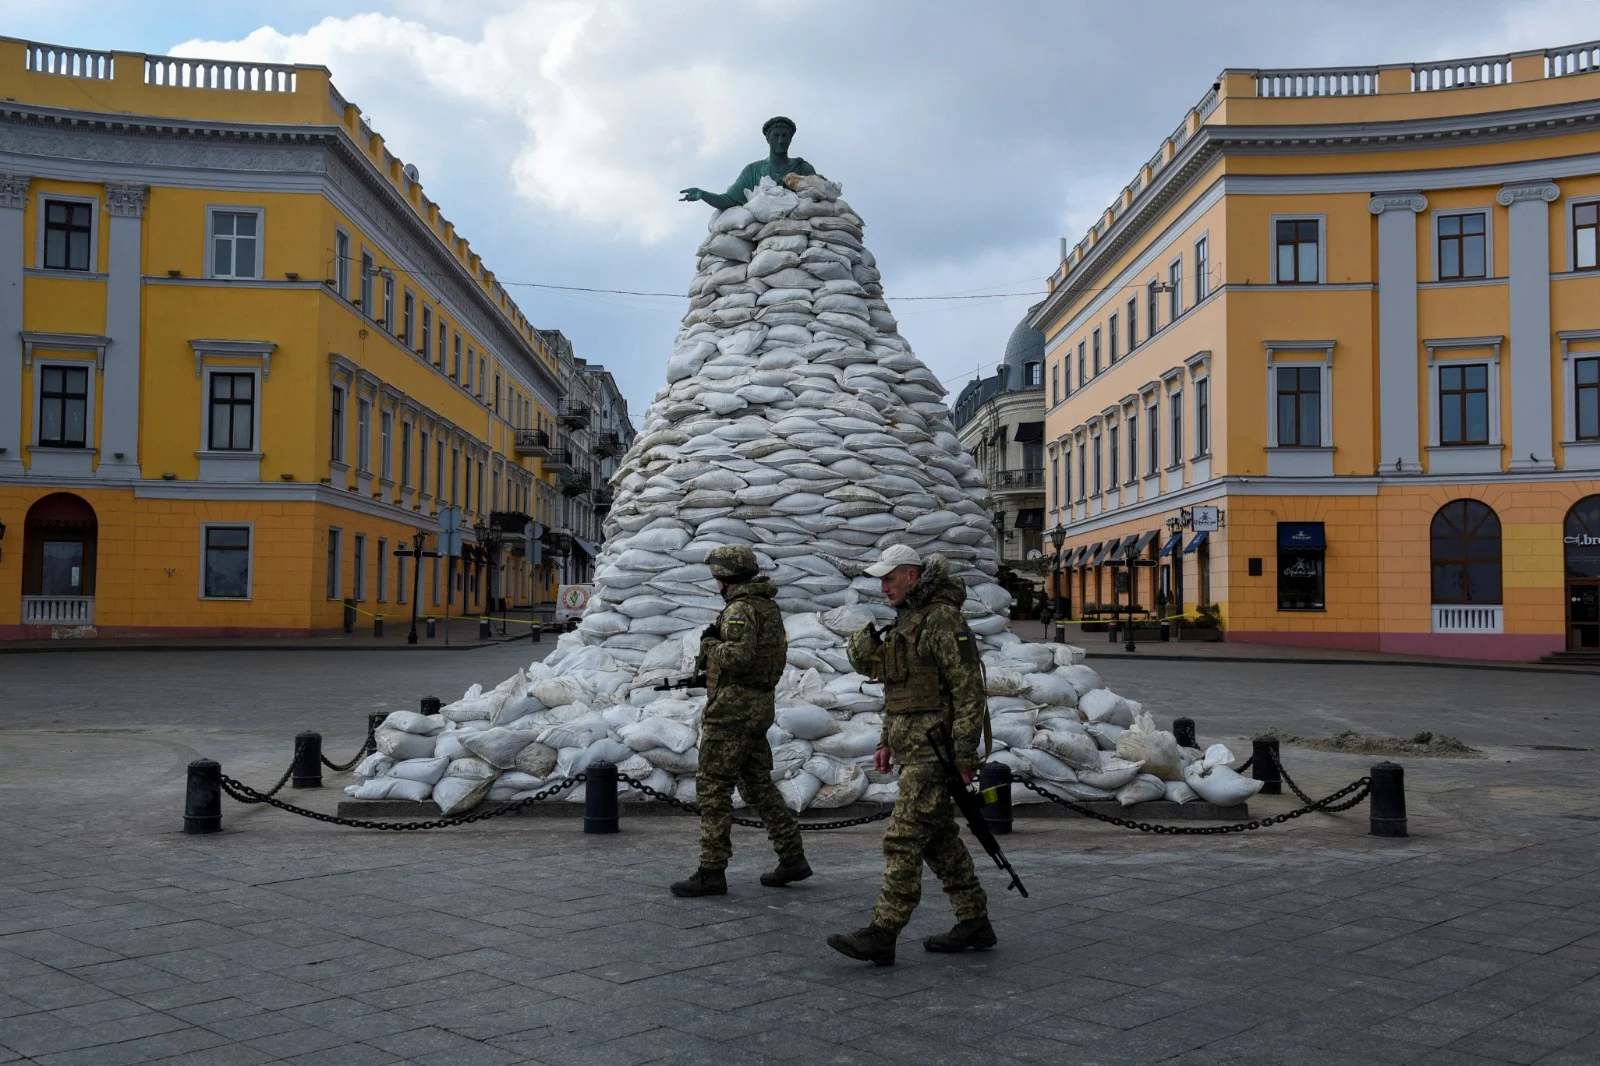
923	829
739	755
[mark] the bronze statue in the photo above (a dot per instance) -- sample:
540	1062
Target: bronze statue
779	131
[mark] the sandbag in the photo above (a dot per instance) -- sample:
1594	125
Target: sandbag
1015	730
1220	784
851	786
1111	774
471	766
676	763
389	788
807	721
1103	705
427	771
450	746
787	759
398	745
1179	792
1044	764
1157	748
375	765
798	791
412	722
1083	679
658	732
1050	689
603	750
1074	749
536	760
498	747
1105	736
849	743
455	795
1142	789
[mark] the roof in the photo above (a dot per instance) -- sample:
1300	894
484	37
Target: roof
1024	346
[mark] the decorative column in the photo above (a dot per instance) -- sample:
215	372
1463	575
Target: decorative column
13	201
119	409
1532	442
1399	448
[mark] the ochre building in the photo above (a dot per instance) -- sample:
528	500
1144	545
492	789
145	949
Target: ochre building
1357	312
243	360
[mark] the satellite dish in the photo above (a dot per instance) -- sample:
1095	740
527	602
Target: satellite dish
411	173
1035	553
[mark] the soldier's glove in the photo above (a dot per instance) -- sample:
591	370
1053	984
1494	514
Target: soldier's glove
711	632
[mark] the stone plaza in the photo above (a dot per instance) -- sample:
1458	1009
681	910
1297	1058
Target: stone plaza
521	940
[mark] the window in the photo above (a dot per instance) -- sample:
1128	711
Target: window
386	447
388	301
383	570
1202	269
233	406
1115	467
338	425
364	435
1083	465
1464	403
1462	251
1298	251
1082	377
1133	448
1175	415
1174	290
455	370
235	244
427	334
1066	489
1133	323
1055	383
1152	292
408	310
483	372
1097	352
367	265
422	466
438	473
68	229
1114	338
360	568
455	475
1202	417
403	569
1055	482
341	263
1032	376
1301	547
1585	231
405	455
1299	406
63	407
1153	427
1097	459
439	358
497	393
1465	553
480	486
1586	381
334	563
226	574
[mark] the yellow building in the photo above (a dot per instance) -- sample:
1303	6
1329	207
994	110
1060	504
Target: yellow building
1356	312
249	359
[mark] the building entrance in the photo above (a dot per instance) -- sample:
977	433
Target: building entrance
1581	544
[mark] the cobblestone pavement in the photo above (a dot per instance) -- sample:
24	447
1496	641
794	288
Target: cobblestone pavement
1476	940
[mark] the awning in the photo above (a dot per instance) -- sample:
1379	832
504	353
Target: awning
1096	550
588	548
1028	432
1029	518
1075	558
1118	556
1171	545
1142	543
1195	542
1306	535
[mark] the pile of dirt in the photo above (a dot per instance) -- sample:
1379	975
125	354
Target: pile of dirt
1435	745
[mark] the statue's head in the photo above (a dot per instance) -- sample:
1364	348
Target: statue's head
779	132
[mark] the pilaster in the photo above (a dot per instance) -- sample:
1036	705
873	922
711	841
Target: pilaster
1532	442
1398	433
13	201
119	418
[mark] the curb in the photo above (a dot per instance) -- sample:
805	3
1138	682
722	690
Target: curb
1158	810
1533	668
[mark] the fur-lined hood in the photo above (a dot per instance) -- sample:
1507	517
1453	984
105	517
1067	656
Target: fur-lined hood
935	585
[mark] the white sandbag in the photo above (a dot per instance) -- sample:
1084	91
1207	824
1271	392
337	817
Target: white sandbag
428	771
1111	774
389	788
884	792
457	794
398	745
658	732
798	791
1010	704
1075	749
850	787
1044	764
807	721
578	733
1014	730
1001	680
470	766
1217	755
603	750
1142	789
849	743
375	765
498	747
1157	748
1068	655
1179	792
555	691
676	763
1220	784
449	746
517	781
469	709
1058	723
1013	760
1083	679
412	722
1049	688
828	770
787	759
536	760
1083	793
1104	735
1037	657
684	791
1103	705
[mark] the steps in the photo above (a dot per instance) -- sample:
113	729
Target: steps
1572	658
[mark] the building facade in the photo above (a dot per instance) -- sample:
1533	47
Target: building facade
1331	362
248	360
1000	421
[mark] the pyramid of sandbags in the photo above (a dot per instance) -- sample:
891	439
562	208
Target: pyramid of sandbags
796	420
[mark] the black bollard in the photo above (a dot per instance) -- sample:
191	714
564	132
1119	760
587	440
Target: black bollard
431	705
1387	804
307	770
1061	633
600	798
1183	732
538	636
1166	631
202	804
377	625
997	814
483	629
430	625
1113	630
1264	765
374	720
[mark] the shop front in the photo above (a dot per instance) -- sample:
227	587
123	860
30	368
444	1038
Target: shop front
1581	552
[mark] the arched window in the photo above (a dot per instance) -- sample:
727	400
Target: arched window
1466	553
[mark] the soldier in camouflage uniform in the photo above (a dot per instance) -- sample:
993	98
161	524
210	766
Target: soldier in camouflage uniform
742	655
928	663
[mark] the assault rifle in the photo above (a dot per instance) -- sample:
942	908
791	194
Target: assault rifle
970	801
692	681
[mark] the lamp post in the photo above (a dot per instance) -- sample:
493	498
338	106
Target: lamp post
416	554
1058	537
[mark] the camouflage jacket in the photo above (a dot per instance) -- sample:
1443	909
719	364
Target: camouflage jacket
932	636
743	656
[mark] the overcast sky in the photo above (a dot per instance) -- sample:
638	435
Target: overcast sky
969	135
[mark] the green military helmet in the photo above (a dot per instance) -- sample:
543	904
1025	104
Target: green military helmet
732	562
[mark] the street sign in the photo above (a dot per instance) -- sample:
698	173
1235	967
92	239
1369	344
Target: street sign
1205	520
532	545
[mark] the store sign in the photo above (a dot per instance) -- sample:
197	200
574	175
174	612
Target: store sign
1206	520
1301	567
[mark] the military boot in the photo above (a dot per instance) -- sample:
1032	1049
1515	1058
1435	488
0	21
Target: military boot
872	944
974	934
702	882
794	868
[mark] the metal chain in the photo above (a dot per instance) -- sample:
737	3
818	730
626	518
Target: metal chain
1242	767
243	793
368	746
1362	786
1284	774
751	822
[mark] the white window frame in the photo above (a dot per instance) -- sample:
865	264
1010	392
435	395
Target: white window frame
1172	386
1300	460
1175	291
1488	243
386	444
1572	245
1199	366
408	318
364	290
358	562
343	422
408	440
254	451
92	386
388	299
1202	278
1152	412
341	264
212	210
250	571
1322	247
1152	323
94	270
1080	437
426	351
1577	454
1464	351
363	434
383	570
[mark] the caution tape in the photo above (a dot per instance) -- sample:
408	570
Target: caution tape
457	617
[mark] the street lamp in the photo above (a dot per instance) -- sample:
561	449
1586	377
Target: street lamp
1058	537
